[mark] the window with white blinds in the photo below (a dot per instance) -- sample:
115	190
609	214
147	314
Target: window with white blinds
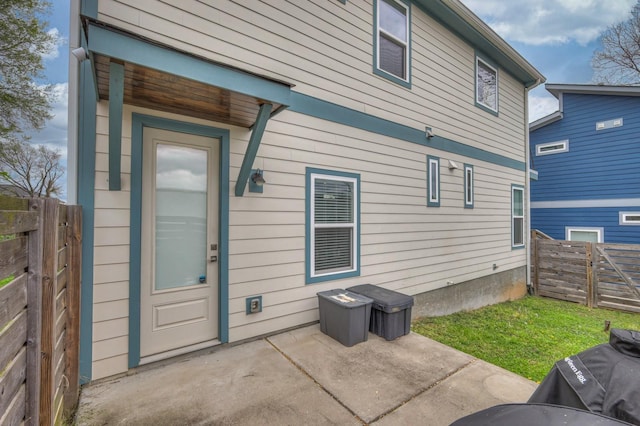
391	41
333	224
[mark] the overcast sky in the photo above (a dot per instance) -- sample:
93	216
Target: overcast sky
558	37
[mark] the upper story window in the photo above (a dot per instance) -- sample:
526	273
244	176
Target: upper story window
392	44
486	85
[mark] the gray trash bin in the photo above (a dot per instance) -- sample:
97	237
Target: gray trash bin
344	316
390	312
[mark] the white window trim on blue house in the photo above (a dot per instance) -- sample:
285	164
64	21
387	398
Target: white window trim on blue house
552	147
630	218
481	61
405	6
599	231
516	217
313	276
433	181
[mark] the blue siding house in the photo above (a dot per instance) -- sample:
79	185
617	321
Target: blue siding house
587	156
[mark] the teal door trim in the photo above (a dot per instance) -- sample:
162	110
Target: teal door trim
87	109
252	148
139	123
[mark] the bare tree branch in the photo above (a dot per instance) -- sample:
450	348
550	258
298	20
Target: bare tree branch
619	60
30	170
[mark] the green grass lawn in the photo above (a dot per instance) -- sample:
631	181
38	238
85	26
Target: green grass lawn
526	336
5	281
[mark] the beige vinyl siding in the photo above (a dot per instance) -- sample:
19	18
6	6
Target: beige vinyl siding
325	49
404	244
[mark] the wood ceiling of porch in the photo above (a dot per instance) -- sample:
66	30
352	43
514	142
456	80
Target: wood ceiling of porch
149	88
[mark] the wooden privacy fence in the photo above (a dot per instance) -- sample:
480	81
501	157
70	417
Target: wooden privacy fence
40	261
594	274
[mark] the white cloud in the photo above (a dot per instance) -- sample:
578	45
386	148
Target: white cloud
548	22
54	133
541	106
53	49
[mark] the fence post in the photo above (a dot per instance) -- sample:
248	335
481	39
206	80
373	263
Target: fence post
74	238
594	274
589	265
535	263
34	317
49	290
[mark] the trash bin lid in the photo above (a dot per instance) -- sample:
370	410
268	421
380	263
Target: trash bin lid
345	298
385	300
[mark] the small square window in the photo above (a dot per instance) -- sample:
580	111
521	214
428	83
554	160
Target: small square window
486	85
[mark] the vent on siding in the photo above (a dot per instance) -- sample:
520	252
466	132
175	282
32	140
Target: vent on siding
609	124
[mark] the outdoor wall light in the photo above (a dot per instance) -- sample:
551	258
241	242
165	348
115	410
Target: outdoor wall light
256	181
428	132
80	53
257	178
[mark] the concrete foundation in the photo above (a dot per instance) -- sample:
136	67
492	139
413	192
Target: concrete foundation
474	294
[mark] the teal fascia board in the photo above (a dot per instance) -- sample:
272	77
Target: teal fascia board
138	123
89	8
116	98
136	51
252	148
455	23
87	109
315	107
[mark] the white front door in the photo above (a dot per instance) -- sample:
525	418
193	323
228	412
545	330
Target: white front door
179	271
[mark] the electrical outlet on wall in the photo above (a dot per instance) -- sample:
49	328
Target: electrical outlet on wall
254	304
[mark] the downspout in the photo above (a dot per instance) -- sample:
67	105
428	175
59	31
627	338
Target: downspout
72	102
527	184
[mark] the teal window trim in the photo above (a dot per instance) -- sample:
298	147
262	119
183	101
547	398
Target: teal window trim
311	174
433	181
89	8
469	186
517	244
406	82
494	67
138	123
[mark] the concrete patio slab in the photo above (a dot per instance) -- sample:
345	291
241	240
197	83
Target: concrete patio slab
246	384
479	384
374	377
305	377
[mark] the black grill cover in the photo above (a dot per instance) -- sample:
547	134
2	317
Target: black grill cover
604	379
535	415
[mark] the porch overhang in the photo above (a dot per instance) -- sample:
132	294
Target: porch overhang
129	69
